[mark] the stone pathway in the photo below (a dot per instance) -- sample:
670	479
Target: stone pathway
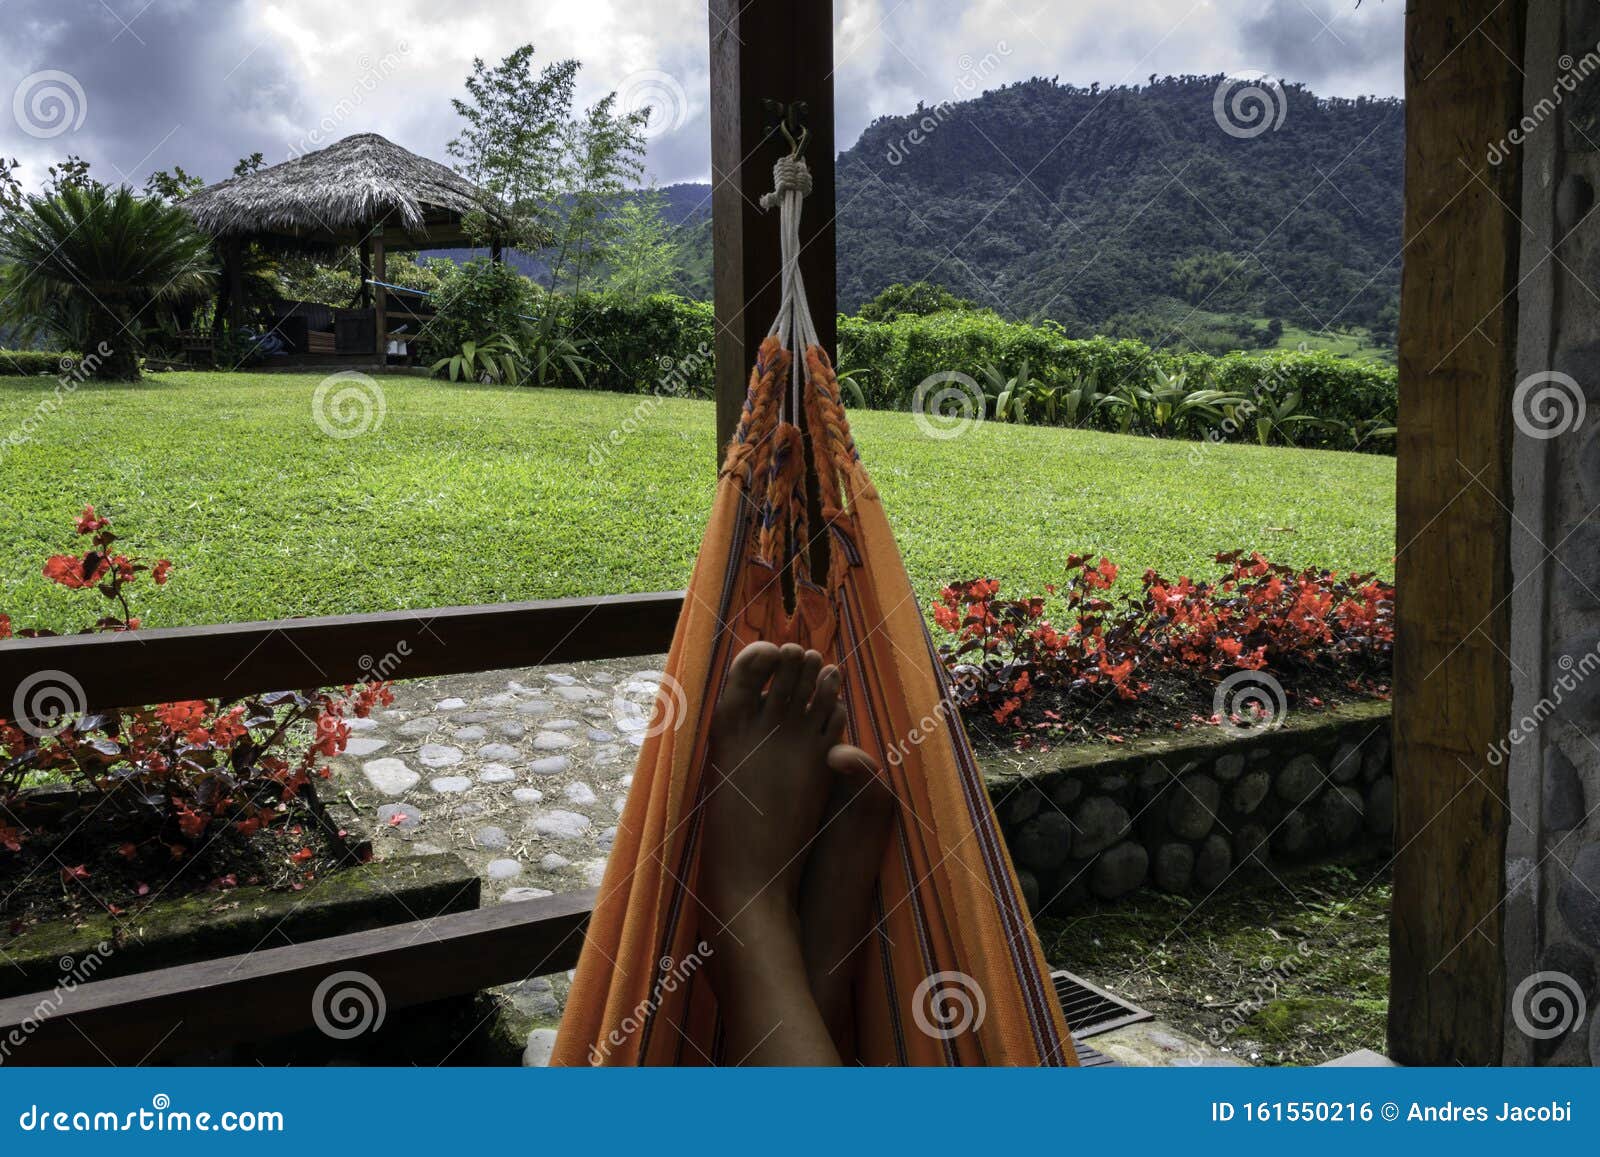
521	773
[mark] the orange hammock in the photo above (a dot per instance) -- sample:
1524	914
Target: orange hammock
952	972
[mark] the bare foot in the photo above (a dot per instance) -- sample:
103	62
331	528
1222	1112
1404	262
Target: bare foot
769	778
836	895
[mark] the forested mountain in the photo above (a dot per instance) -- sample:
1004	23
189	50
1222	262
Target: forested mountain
1124	208
1127	211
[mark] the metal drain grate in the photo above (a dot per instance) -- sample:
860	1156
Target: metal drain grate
1091	1058
1090	1010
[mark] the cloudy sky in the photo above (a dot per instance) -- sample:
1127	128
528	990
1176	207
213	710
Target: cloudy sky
137	85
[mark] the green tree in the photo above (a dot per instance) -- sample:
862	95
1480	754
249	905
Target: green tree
646	252
85	263
918	299
560	175
514	142
173	185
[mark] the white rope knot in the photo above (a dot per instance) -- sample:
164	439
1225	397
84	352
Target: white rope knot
794	327
789	174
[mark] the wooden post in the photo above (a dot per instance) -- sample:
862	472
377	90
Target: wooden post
780	50
380	295
1452	674
365	296
233	266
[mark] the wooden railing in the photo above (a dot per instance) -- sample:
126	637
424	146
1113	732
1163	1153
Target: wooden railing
211	1004
224	662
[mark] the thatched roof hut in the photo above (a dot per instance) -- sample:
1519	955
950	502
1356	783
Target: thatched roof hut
337	195
363	192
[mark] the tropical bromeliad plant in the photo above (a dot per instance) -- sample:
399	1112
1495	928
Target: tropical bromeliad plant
84	264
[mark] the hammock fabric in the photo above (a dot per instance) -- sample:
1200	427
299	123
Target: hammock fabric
952	972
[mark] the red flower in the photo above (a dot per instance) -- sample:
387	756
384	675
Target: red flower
160	571
89	521
76	573
5	626
302	855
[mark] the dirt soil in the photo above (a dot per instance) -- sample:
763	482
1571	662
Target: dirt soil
1284	970
1175	702
84	871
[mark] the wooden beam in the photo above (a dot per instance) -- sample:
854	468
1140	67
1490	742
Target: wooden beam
260	995
780	50
226	661
380	299
1452	677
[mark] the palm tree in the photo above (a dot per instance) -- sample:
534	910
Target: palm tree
100	257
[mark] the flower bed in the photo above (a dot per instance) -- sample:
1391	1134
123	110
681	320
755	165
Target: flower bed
108	810
1236	653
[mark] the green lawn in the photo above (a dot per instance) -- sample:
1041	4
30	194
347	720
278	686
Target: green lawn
470	494
1357	345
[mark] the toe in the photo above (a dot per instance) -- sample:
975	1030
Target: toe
805	684
846	759
741	694
823	700
790	658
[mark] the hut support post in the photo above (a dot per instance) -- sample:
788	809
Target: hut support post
233	277
365	297
380	297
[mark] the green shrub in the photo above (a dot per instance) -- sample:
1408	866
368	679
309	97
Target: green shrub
27	363
476	301
1339	392
662	341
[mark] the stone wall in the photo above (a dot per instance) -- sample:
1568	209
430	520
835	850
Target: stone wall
1184	815
1550	928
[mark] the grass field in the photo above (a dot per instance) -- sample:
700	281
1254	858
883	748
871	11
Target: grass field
471	494
1357	345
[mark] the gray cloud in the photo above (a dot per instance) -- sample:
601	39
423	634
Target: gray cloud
1317	42
202	82
179	82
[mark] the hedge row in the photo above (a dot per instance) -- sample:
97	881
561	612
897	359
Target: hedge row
900	354
636	344
29	363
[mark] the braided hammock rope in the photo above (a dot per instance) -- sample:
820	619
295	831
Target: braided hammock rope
952	973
